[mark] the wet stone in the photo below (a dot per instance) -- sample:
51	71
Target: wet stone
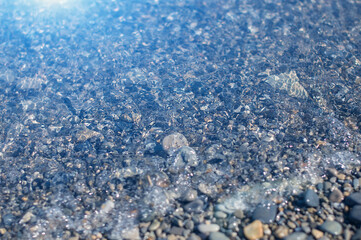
173	142
266	213
281	232
317	233
217	236
193	236
155	225
183	158
220	214
357	235
189	195
355	214
336	196
311	199
253	230
353	199
332	227
196	206
296	236
208	228
176	230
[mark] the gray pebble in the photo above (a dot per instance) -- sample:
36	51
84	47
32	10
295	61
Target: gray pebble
208	228
355	183
194	237
332	227
311	199
220	215
266	213
155	224
355	214
176	231
296	236
196	206
189	195
217	236
188	224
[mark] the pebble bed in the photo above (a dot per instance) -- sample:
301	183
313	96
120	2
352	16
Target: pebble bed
184	119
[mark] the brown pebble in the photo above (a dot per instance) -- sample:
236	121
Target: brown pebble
317	233
336	196
253	230
281	232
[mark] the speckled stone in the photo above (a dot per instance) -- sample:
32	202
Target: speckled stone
332	227
253	230
296	236
217	236
336	196
311	199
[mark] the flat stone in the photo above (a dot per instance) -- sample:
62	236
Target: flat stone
296	236
195	206
208	228
253	230
311	199
353	199
238	213
266	213
176	231
336	196
332	227
355	214
131	234
217	236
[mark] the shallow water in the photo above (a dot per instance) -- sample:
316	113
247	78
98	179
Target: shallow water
90	90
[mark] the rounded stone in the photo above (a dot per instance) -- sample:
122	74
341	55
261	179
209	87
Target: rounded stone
332	227
195	206
317	233
173	142
353	199
281	232
355	214
296	236
336	196
253	230
311	199
217	236
220	214
208	228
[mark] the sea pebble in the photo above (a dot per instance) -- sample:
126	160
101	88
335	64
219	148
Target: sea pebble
336	196
353	199
208	228
266	213
355	214
173	142
217	236
311	199
195	206
253	230
332	227
296	236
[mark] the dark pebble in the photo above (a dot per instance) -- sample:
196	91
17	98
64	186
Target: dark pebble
8	219
355	214
195	206
357	235
311	199
353	199
266	213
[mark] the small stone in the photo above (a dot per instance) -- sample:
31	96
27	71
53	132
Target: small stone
176	231
281	232
317	233
341	176
238	213
2	231
332	172
217	236
208	228
331	227
194	237
353	199
355	214
336	196
26	218
189	195
155	224
296	236
253	230
173	142
220	214
131	234
355	183
195	206
266	213
311	199
189	224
